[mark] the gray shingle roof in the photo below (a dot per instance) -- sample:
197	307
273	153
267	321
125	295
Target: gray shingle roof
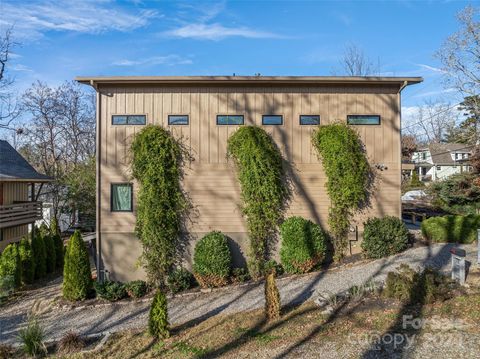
442	152
14	167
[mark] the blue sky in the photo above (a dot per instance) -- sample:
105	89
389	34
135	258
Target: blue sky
63	39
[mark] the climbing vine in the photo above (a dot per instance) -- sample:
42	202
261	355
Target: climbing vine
348	177
156	165
263	189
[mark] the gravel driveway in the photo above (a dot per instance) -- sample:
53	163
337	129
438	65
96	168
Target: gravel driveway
193	307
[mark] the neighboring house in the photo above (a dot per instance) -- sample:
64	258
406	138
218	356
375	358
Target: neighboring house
441	160
18	198
204	112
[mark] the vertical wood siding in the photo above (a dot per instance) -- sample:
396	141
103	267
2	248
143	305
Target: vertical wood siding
209	177
14	191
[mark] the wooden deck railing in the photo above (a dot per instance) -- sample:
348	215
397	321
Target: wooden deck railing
20	213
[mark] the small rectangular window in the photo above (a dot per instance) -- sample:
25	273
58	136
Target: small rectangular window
230	120
272	120
121	197
439	168
363	119
178	119
129	119
309	120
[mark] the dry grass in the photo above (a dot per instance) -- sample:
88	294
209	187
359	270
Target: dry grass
249	335
243	334
71	343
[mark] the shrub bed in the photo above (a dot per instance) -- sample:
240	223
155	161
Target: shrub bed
384	237
303	245
111	291
212	260
427	286
456	229
136	288
179	280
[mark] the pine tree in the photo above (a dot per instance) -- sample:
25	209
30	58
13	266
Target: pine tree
27	261
51	253
39	256
77	278
158	319
57	240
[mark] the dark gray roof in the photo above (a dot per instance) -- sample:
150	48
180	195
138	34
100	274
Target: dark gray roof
14	167
442	152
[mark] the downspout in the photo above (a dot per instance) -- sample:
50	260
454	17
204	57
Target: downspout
399	104
98	182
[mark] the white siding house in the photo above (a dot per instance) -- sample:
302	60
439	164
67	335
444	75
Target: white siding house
441	160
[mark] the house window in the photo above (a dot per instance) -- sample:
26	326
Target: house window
121	197
1	235
272	120
363	119
309	120
424	156
439	168
178	119
230	120
129	119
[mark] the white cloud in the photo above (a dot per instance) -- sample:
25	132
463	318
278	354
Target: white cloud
20	67
431	68
155	60
32	19
217	32
436	92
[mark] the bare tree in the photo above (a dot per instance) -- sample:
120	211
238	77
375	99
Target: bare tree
356	63
409	145
61	136
460	54
432	121
8	105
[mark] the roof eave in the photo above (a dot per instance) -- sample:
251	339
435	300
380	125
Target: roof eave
93	81
29	180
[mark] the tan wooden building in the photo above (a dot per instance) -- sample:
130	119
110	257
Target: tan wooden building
19	206
204	112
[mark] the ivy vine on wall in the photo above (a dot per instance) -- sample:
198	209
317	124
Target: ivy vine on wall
348	177
156	165
263	189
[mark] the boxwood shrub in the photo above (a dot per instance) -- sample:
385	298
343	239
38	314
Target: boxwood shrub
451	228
384	237
212	260
303	245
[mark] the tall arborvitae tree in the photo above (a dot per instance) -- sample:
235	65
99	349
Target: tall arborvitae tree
77	276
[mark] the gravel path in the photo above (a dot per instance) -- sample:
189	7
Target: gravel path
194	307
